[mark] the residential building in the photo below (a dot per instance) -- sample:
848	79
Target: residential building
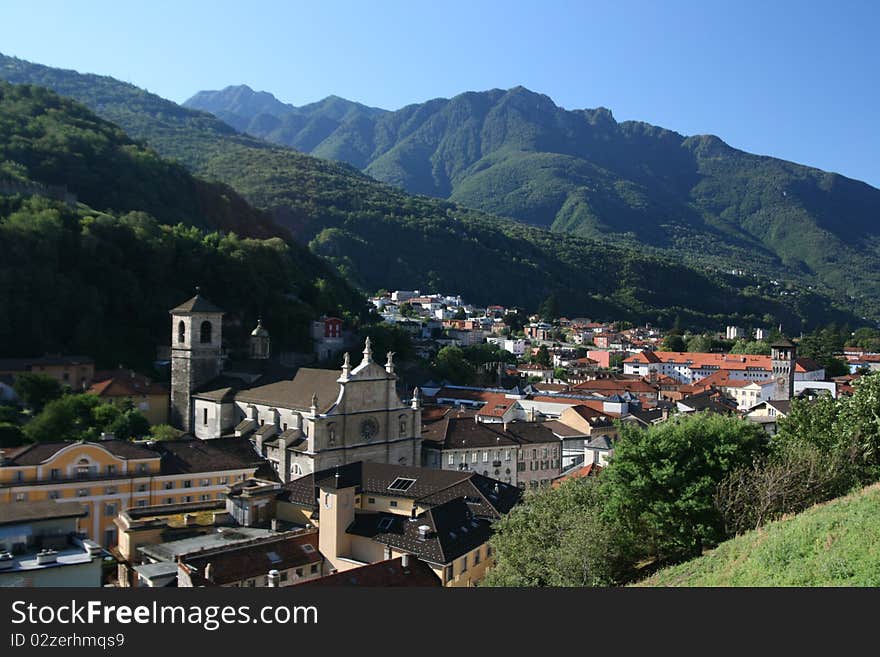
405	570
76	372
524	454
109	476
122	386
276	560
40	546
372	512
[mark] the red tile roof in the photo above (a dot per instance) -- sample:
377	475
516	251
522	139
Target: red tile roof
590	470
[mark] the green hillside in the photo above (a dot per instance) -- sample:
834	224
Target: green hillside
515	153
99	276
832	544
381	237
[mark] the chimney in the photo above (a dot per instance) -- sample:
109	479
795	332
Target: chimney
274	524
664	414
404	563
274	578
424	532
209	572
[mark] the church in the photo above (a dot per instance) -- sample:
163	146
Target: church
314	420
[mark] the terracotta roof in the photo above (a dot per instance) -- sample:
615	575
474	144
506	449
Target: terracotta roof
605	386
698	360
382	573
124	383
590	470
496	405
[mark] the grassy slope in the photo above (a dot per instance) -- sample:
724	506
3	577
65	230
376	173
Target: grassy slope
832	544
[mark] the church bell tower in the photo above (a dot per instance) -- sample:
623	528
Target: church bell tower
783	356
196	357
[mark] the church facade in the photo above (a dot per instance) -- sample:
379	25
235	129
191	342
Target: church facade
315	420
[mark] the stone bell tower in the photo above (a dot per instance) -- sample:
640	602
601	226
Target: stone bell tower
783	356
196	357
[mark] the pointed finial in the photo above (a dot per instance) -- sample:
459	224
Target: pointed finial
368	351
314	402
346	361
415	397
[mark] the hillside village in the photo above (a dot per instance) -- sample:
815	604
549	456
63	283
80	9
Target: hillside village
255	470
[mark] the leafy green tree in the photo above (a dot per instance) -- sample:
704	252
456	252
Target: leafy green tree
699	344
661	482
451	365
559	537
460	314
9	413
36	390
543	356
84	417
164	432
673	342
754	347
549	309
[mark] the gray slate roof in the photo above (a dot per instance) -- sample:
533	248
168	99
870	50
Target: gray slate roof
197	304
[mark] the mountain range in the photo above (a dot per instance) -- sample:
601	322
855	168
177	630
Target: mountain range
515	153
378	236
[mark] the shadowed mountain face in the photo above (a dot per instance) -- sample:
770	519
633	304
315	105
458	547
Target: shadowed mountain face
515	153
378	236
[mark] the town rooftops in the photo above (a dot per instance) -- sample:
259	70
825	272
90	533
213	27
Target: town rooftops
13	514
190	455
391	572
197	304
464	433
222	537
439	535
427	487
254	558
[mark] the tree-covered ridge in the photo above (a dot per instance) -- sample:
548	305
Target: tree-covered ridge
381	237
515	153
75	280
53	140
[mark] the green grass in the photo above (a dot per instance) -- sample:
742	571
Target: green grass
832	544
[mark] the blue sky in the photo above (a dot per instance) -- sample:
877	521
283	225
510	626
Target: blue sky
797	80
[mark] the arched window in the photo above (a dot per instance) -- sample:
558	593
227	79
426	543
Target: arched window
331	434
181	331
205	336
403	426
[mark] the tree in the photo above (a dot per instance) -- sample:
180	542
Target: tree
460	314
11	435
451	365
549	309
85	417
754	347
698	343
558	537
661	482
36	390
673	342
543	356
164	432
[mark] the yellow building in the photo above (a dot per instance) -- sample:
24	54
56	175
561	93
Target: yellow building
121	386
75	372
112	475
371	512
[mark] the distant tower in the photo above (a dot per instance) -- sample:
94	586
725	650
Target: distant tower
260	342
196	334
783	355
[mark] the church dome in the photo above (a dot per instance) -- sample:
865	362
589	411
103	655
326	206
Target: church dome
260	332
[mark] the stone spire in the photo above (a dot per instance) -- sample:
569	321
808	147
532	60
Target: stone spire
314	408
346	366
389	365
415	398
368	351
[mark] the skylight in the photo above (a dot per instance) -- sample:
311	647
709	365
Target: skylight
273	557
385	524
401	484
